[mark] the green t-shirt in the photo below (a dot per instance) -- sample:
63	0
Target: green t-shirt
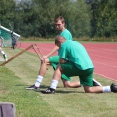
75	52
66	34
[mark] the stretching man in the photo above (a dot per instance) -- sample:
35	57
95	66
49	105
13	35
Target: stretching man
75	61
54	60
2	52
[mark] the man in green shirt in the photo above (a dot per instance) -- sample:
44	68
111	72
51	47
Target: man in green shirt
75	61
54	60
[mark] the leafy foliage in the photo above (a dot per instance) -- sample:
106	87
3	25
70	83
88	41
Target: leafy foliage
104	18
7	9
36	17
83	17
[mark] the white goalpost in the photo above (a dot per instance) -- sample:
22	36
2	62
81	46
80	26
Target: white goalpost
9	31
5	34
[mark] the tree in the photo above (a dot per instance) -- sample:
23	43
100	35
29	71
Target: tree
104	18
7	8
36	17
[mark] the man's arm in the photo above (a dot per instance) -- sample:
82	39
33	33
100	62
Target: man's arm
55	49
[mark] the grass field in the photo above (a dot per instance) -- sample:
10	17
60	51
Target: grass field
21	72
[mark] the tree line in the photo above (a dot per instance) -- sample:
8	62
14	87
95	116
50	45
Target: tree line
93	18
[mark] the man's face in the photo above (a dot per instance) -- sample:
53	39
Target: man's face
58	44
59	25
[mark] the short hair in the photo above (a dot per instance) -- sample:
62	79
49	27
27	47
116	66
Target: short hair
59	38
59	18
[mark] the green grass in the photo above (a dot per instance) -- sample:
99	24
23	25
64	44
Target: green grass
21	72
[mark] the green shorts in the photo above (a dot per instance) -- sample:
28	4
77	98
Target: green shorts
54	60
85	76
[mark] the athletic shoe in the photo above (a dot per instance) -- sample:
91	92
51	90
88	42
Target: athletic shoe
48	91
113	88
96	83
32	87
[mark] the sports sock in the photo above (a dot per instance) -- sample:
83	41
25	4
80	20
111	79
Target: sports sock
2	52
106	89
54	84
38	81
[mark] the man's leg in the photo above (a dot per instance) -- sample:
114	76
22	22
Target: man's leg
86	81
101	89
69	84
55	80
3	53
41	74
76	84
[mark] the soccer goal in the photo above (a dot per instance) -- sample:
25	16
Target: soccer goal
5	36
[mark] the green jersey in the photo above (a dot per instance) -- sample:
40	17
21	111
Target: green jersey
66	34
75	52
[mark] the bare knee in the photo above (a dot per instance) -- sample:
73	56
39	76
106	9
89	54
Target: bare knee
88	91
67	84
46	61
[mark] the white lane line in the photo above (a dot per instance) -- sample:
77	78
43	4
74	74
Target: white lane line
105	76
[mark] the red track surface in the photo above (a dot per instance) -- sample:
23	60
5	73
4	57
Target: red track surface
103	55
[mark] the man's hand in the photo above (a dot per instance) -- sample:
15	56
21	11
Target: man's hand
43	58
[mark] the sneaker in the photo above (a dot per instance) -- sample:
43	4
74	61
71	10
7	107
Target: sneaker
96	83
32	87
48	91
113	88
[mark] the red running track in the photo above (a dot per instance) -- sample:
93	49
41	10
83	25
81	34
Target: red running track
103	55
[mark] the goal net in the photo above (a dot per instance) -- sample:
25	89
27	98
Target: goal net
5	36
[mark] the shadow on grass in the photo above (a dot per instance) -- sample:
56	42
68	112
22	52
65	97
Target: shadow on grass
44	87
59	91
64	92
22	85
